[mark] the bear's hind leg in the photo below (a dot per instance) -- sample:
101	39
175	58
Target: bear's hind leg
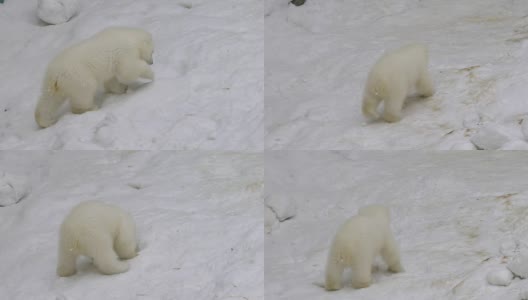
362	274
391	255
67	260
424	85
105	259
125	244
83	95
108	263
115	86
393	106
334	274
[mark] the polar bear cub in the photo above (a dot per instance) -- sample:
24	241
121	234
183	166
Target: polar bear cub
394	76
113	59
100	231
357	243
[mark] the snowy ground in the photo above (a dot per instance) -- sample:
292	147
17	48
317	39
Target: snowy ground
208	62
317	57
451	213
199	218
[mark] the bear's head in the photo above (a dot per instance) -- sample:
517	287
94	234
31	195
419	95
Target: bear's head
146	49
375	211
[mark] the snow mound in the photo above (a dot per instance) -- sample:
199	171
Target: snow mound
501	277
490	137
519	264
12	189
57	11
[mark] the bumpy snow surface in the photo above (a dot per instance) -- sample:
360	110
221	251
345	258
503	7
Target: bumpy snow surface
456	217
318	56
199	221
208	63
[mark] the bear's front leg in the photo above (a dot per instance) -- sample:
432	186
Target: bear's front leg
334	274
125	243
67	260
115	86
362	273
391	255
83	99
424	86
393	105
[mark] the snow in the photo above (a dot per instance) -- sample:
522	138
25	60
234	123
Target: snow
57	11
12	188
463	145
318	56
277	209
208	92
271	5
519	264
455	215
515	145
490	138
523	295
270	220
283	207
501	277
509	248
198	215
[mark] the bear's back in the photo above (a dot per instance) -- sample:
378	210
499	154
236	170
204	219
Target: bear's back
93	216
105	42
404	63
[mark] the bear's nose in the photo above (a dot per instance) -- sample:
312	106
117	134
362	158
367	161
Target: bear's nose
150	62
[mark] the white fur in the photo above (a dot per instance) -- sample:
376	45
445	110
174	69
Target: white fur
113	58
357	243
394	76
100	231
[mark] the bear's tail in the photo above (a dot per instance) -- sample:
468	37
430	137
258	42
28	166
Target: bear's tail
49	103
